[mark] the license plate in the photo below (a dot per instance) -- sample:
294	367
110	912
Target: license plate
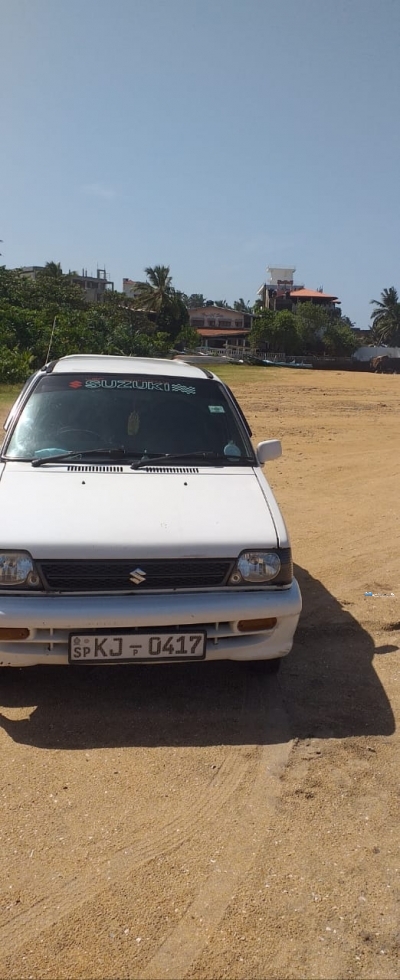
125	647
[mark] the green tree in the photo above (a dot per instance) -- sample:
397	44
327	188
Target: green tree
51	270
195	301
241	306
157	293
276	332
53	289
174	316
312	322
159	297
29	308
386	318
188	338
262	331
16	289
339	340
286	336
17	326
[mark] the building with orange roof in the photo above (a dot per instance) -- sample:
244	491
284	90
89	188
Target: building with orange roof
280	292
220	326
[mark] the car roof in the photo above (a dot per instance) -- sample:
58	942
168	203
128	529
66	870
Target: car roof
114	364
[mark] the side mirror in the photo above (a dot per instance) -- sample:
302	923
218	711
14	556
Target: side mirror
270	449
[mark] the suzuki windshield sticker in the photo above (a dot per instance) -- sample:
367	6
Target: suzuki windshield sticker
92	383
132	383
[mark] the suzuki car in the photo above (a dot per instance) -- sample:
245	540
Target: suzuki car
136	525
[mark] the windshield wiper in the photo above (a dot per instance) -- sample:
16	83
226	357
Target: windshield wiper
150	460
117	453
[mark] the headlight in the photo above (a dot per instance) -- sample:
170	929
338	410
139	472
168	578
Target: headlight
262	567
17	569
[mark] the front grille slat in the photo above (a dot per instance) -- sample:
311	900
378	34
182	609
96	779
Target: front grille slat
114	575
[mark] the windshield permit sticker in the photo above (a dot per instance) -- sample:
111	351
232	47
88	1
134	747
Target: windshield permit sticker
185	389
216	409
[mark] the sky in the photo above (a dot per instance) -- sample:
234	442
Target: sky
218	137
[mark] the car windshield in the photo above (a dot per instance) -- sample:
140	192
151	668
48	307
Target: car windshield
139	415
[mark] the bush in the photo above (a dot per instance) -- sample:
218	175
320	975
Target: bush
15	365
188	338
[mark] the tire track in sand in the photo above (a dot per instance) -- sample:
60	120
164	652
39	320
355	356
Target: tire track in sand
268	721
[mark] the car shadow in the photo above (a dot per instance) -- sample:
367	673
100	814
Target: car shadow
327	688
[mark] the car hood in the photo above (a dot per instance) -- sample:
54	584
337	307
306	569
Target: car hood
58	512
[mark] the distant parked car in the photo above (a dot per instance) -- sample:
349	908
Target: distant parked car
136	525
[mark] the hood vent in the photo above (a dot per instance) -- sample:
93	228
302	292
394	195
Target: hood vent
111	468
93	468
171	469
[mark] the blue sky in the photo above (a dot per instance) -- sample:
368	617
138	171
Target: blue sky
216	136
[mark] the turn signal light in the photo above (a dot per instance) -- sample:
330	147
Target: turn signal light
7	633
250	625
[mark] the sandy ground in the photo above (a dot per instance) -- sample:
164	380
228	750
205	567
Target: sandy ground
209	823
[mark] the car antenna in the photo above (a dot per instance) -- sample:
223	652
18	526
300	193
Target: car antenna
51	339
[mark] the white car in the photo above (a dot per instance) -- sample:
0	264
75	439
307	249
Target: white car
136	525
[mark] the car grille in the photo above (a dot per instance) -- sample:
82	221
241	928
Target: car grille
114	576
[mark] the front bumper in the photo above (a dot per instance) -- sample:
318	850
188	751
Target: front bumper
50	620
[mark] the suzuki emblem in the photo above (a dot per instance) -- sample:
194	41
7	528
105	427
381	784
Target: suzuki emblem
137	576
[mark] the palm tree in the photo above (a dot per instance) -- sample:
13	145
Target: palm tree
157	292
386	317
241	306
53	270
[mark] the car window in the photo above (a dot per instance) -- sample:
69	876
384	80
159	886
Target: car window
15	407
141	414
